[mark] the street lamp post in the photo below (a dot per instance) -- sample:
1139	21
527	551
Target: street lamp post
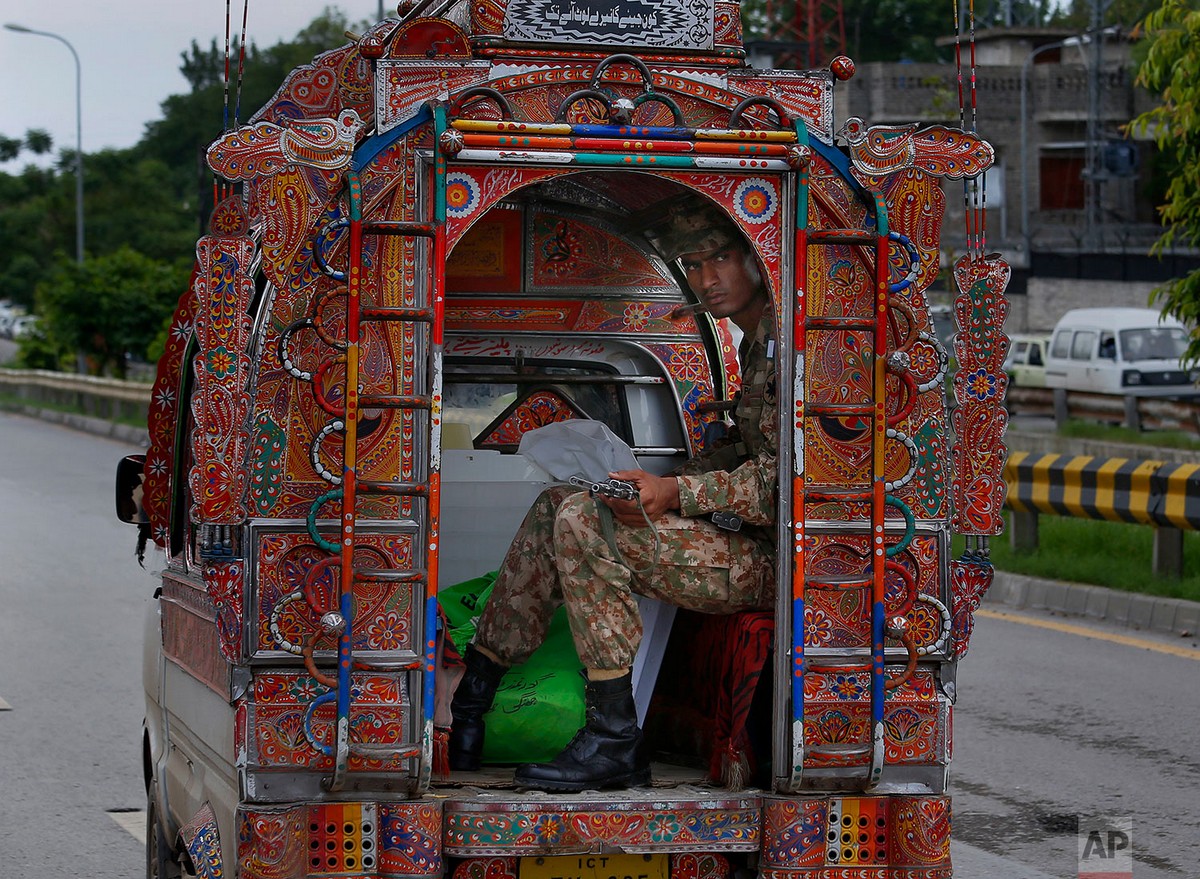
21	29
1094	171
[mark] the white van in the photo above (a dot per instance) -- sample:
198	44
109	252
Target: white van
1128	351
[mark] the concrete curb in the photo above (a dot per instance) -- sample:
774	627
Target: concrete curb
126	433
1133	610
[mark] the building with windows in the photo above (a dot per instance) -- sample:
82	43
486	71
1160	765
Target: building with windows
1071	198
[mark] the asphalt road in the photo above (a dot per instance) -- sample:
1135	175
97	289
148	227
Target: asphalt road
72	599
1057	727
1057	722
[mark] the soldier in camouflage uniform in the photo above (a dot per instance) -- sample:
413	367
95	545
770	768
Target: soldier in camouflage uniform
566	554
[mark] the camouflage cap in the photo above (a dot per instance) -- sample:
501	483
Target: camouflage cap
694	225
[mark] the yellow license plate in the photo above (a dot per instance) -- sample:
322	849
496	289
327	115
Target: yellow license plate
596	867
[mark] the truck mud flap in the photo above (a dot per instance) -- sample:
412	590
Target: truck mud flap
363	839
202	842
868	837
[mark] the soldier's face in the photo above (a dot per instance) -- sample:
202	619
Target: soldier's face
726	279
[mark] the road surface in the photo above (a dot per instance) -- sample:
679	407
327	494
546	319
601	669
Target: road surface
72	599
1059	722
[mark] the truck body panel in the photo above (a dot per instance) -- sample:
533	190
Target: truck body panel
444	235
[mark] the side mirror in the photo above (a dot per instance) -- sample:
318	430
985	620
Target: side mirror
131	470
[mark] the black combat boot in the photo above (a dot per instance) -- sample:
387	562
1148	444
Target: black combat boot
606	753
472	700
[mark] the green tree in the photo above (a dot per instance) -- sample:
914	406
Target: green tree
1015	13
37	220
36	140
39	141
1125	13
872	26
128	200
152	199
1172	71
109	306
191	121
131	202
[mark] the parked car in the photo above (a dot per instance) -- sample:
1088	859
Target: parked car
1128	351
11	316
1026	361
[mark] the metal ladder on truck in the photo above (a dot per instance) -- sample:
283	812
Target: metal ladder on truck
426	315
874	490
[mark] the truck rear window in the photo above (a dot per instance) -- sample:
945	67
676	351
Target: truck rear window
499	401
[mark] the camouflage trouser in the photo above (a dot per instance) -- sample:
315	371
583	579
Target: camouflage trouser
560	556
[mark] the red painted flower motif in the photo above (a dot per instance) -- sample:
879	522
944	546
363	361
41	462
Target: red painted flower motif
818	628
386	632
636	316
548	829
687	363
848	687
924	625
923	359
981	385
304	689
220	362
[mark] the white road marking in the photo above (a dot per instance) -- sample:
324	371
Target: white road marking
133	822
1088	632
4	706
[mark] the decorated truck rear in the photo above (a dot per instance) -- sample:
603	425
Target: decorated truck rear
445	235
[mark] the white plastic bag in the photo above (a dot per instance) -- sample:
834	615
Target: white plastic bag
577	447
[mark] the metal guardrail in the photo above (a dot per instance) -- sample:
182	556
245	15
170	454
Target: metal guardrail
1136	413
1147	492
108	398
1116	489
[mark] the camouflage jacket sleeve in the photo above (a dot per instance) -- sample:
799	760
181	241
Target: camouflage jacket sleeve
751	488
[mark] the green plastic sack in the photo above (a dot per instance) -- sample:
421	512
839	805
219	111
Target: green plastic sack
539	705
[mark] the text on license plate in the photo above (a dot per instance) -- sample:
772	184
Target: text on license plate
596	867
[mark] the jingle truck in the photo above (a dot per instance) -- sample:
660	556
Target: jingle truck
442	236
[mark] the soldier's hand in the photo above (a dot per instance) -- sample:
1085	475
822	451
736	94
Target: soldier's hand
658	494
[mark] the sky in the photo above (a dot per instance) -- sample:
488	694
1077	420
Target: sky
129	55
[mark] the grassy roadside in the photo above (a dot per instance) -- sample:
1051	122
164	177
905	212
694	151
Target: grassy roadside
1166	439
1117	555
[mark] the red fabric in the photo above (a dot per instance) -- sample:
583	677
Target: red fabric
706	689
448	673
743	641
451	657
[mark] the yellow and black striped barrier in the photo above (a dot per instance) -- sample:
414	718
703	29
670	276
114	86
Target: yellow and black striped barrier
1117	489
